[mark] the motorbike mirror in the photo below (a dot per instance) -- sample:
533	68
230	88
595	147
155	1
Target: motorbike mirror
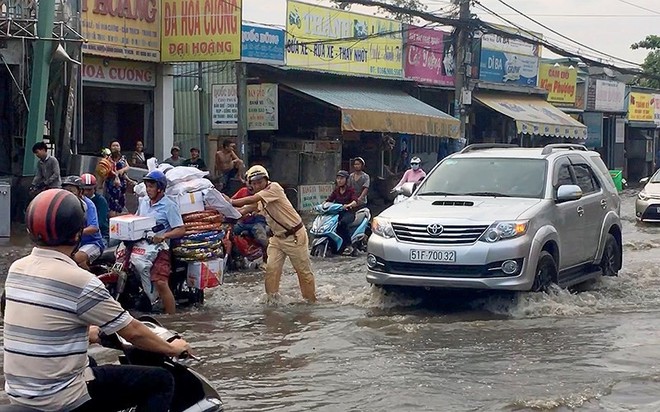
407	189
158	228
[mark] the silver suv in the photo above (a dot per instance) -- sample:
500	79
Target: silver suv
499	217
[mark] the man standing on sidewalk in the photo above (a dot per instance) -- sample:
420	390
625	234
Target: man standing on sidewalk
289	233
48	170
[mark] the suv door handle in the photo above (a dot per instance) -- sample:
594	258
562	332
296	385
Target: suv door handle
580	211
603	204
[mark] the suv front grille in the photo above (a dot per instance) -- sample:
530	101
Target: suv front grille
450	235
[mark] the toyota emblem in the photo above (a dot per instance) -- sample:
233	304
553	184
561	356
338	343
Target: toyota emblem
435	229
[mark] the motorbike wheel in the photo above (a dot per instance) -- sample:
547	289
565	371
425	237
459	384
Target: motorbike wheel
320	250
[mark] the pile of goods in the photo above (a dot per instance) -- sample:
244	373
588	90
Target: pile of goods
204	237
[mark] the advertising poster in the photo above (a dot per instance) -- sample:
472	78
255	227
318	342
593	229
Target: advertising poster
312	195
656	108
425	58
641	107
196	30
560	82
262	45
594	123
224	106
322	38
501	67
262	107
132	32
610	96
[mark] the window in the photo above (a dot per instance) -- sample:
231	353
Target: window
586	179
564	175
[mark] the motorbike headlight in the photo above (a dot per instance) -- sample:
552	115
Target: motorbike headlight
643	196
382	227
504	230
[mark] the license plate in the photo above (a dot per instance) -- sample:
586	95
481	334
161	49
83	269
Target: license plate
433	255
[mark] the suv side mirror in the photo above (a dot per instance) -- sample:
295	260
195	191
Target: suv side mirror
644	180
568	193
407	189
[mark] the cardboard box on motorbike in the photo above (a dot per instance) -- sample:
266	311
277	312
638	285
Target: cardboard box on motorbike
207	274
190	202
130	227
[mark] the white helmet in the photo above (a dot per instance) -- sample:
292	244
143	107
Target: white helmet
415	161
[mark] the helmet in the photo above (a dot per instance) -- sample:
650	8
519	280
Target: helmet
415	160
88	180
73	181
105	152
359	159
256	172
158	177
54	218
343	173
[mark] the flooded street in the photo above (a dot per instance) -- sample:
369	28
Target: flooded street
358	349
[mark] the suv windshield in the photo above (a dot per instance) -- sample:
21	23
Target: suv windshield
498	177
656	177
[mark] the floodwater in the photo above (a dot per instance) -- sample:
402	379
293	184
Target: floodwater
358	349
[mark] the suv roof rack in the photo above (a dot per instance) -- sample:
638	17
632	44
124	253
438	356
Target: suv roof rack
484	146
568	146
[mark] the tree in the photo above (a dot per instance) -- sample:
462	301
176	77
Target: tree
405	18
651	64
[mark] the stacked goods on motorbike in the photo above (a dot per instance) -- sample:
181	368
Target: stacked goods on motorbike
130	227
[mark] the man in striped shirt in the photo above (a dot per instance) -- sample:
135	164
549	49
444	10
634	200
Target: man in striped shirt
54	309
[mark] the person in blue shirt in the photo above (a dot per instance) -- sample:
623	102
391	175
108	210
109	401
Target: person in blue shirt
102	208
166	213
91	243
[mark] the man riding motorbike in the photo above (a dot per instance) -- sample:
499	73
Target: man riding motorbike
54	309
345	195
91	244
102	209
414	174
166	213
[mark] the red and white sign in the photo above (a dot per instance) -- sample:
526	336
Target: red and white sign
121	72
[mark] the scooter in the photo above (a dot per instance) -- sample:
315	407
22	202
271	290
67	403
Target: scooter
192	391
324	229
124	282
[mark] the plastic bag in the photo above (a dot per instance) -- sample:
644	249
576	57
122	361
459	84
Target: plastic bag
140	189
142	258
213	199
184	174
188	186
152	164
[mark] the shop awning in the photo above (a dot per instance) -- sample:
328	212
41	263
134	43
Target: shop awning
536	116
377	109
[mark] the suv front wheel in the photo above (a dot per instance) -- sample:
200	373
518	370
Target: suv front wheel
546	272
611	261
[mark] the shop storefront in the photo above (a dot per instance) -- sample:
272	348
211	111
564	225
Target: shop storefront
118	101
641	134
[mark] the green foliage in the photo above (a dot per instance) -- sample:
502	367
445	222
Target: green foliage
651	64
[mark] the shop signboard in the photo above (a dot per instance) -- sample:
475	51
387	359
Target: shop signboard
560	82
496	42
312	195
262	44
201	30
510	68
262	106
322	38
131	31
594	123
640	107
426	59
656	109
118	72
608	96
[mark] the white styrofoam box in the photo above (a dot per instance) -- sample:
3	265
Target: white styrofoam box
208	274
190	202
130	227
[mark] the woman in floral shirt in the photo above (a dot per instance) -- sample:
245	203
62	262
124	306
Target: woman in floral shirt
115	183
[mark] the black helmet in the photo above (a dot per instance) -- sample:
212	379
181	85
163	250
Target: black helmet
73	181
343	173
54	218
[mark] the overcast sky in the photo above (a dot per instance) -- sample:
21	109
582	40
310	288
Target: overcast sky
610	26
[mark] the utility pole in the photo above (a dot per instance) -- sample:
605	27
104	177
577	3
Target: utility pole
241	94
203	143
462	46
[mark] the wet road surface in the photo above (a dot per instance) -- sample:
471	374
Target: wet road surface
357	349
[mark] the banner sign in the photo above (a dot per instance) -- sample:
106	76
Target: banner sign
594	123
312	195
495	42
500	67
656	108
120	72
610	96
131	31
321	38
262	106
640	107
201	30
262	45
559	81
428	58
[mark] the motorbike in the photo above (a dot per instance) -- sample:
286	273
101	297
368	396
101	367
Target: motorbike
125	284
246	252
192	391
325	239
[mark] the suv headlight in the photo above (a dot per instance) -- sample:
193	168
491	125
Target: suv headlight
643	196
504	230
382	227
